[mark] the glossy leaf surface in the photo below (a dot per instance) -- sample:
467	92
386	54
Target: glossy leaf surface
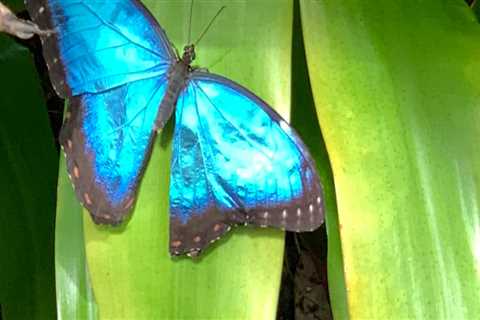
396	88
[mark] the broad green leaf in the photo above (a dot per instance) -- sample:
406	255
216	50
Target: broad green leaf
131	272
305	120
28	167
397	92
75	298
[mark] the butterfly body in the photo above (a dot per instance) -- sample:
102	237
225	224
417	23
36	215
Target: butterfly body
177	80
234	161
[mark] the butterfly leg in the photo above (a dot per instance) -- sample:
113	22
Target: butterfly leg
20	28
202	70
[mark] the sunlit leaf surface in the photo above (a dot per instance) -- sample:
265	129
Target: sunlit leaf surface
396	86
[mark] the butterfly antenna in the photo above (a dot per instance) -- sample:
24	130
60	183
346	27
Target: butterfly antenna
209	24
190	23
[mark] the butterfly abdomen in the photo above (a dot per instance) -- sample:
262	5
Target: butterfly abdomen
177	80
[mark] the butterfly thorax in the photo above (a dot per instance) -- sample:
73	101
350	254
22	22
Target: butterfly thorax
188	54
178	75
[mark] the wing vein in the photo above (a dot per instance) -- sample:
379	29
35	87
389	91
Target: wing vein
202	152
139	112
115	29
251	142
231	194
128	73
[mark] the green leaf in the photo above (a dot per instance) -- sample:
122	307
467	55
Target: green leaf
476	8
75	298
28	167
132	274
305	120
396	90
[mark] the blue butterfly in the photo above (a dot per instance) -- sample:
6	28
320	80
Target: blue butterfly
235	160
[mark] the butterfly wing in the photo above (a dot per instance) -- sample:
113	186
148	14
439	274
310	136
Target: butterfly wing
111	59
236	161
107	138
98	45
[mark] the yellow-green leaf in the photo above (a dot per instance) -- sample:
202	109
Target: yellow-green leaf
397	92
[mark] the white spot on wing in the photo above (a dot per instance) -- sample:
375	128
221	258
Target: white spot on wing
284	214
87	199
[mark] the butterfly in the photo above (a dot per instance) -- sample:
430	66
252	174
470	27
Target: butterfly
235	160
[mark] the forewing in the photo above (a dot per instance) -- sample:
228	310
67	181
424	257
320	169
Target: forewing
236	161
107	139
99	45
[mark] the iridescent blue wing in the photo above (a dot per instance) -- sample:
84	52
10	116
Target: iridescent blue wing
107	138
99	45
110	58
236	161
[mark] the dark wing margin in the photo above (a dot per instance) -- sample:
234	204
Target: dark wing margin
236	161
40	14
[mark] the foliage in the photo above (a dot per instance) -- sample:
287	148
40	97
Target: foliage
28	168
396	91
